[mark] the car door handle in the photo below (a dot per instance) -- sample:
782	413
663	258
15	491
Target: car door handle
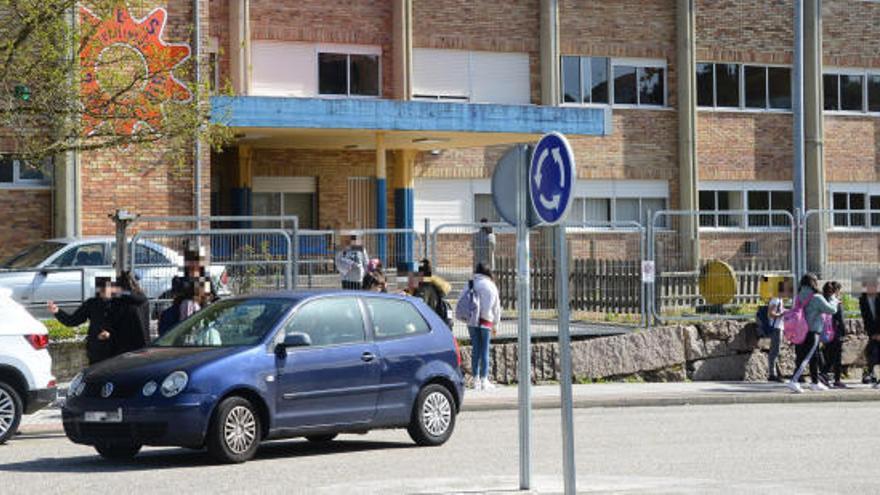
368	357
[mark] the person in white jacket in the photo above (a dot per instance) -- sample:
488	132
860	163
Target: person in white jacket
351	261
490	317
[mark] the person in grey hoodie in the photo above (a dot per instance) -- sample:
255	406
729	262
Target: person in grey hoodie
806	352
351	261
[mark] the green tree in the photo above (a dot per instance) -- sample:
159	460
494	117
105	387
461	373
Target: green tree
66	84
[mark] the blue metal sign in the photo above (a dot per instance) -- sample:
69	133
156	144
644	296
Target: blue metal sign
552	178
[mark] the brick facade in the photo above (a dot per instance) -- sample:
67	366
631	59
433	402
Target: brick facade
29	218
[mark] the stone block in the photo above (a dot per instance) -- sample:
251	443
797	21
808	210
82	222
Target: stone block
627	354
695	348
726	368
854	350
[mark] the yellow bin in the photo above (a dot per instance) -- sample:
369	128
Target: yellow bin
717	283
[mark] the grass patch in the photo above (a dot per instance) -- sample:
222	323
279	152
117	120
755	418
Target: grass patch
57	331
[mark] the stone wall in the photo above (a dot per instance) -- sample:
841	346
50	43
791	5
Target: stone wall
68	358
710	351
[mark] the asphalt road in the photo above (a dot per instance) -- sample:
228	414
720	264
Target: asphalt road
759	448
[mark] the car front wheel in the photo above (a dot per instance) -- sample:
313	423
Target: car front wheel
10	412
235	432
433	417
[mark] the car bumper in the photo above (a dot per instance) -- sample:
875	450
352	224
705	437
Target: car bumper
182	422
38	399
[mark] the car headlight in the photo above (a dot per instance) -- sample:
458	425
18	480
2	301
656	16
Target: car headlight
174	383
77	385
149	388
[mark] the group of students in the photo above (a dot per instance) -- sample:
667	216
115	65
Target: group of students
478	306
118	316
821	349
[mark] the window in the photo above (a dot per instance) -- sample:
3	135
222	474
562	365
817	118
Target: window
85	255
864	208
874	93
767	87
618	210
625	91
851	91
301	205
718	85
394	318
145	255
831	92
348	74
766	201
484	207
17	172
756	87
584	79
756	199
471	75
712	203
329	321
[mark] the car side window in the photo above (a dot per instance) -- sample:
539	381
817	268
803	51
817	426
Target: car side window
329	321
392	318
85	255
145	255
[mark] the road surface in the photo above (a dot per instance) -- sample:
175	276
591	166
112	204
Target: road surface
778	448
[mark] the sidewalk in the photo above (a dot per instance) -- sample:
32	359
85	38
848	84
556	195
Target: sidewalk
599	395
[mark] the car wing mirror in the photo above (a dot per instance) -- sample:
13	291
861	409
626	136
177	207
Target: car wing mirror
297	339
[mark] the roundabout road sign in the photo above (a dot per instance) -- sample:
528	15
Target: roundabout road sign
552	178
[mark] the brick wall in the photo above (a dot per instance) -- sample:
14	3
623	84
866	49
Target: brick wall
28	218
744	146
850	33
745	31
852	148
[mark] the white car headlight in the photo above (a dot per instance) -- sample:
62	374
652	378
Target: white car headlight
149	388
174	383
77	385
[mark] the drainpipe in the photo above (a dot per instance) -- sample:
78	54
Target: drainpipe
550	52
814	166
687	132
197	47
797	110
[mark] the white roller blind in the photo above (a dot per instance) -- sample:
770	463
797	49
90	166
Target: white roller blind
443	201
500	78
284	69
284	184
440	72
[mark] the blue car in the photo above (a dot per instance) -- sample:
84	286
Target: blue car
280	365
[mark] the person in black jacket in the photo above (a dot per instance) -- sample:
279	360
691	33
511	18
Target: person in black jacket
97	311
869	306
833	351
130	320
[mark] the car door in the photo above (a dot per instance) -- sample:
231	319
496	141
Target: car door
62	282
401	334
335	380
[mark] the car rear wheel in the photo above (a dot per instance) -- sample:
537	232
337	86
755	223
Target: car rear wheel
322	438
10	412
433	417
235	432
118	451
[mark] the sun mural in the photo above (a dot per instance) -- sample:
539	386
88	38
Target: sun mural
127	71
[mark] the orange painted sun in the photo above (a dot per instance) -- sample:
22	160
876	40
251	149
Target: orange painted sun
128	71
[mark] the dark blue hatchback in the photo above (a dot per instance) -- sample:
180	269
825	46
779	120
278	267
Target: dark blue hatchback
272	366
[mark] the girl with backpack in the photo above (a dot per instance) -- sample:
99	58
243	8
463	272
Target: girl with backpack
480	306
813	309
773	327
832	350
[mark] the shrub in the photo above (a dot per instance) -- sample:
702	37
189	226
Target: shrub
57	331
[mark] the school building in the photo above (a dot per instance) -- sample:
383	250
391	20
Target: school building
381	113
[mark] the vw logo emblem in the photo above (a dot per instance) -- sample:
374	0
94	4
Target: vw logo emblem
106	390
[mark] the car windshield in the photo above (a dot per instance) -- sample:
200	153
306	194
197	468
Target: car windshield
229	323
32	256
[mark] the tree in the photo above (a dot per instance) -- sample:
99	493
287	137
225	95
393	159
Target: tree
79	76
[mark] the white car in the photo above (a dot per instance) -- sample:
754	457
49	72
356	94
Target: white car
26	381
64	270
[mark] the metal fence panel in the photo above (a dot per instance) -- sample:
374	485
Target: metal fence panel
842	245
752	244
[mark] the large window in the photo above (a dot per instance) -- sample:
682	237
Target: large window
715	205
16	172
348	74
329	321
718	85
856	208
851	91
585	80
728	85
767	87
471	75
614	209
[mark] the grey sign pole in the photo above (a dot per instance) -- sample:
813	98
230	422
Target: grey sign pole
562	305
523	305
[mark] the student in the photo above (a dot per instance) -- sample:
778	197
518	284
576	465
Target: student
484	245
131	316
351	262
97	311
489	307
775	311
433	289
832	352
199	297
805	352
869	306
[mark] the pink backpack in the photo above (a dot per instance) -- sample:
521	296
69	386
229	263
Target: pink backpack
795	327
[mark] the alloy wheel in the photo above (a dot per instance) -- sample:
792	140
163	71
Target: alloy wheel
436	414
7	412
240	429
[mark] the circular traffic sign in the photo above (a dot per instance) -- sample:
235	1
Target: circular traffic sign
552	178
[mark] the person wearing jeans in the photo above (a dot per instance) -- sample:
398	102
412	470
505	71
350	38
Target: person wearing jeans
815	307
490	316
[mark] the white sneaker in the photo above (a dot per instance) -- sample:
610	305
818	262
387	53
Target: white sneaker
818	387
487	385
795	387
478	385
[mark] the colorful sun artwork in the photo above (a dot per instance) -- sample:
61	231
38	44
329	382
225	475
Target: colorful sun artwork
128	71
